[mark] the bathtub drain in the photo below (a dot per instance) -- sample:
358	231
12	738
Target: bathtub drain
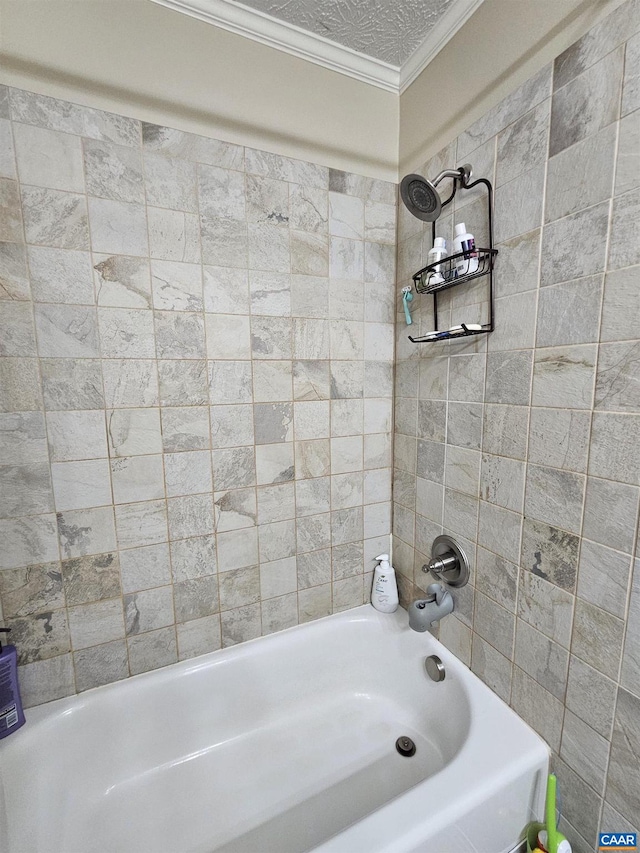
406	746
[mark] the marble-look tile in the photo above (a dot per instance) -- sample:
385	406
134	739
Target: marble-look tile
379	263
187	473
130	383
137	478
173	235
19	385
312	419
581	176
370	189
272	381
226	290
231	381
239	587
537	707
14	278
80	485
546	607
516	104
234	509
565	256
569	313
237	549
91	624
380	222
597	637
314	568
145	568
194	557
312	458
564	377
623	248
25	489
221	193
461	513
620	309
591	696
542	659
495	624
309	254
190	515
126	333
518	269
559	438
54	218
585	751
7	155
276	503
430	461
615	448
310	338
269	249
267	200
347	593
630	675
113	171
314	603
623	780
46	680
502	482
178	143
66	330
143	523
185	429
432	418
273	422
196	598
29	540
603	577
509	377
11	215
228	337
518	205
152	650
198	637
224	242
346	258
631	83
347	418
487	663
101	664
588	103
235	467
309	296
277	541
133	432
93	578
312	496
308	209
523	141
47	158
555	496
86	531
347	340
179	334
346	216
31	590
313	532
346	525
176	286
183	383
550	553
271	337
499	531
231	426
60	275
286	169
515	318
270	293
170	182
241	624
71	384
505	430
617	386
51	113
612	818
610	513
22	438
76	435
118	228
40	636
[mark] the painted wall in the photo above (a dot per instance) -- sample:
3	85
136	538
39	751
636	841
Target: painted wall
525	444
142	60
196	346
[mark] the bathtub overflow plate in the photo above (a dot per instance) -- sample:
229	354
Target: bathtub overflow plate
406	746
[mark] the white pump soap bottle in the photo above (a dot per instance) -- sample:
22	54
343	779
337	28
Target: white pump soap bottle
384	593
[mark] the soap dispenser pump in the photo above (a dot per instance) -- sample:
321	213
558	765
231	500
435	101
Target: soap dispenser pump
384	594
11	713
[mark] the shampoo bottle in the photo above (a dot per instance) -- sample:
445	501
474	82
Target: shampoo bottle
438	253
465	242
11	713
384	593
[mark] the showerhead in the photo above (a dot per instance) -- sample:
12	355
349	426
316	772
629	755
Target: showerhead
420	196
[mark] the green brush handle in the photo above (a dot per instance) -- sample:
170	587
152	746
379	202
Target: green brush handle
552	834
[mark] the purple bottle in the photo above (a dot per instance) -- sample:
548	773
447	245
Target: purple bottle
11	713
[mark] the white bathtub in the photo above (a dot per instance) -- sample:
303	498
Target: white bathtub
282	744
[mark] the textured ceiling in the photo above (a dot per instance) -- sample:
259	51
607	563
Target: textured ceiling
385	29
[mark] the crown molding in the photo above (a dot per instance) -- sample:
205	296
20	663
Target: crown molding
265	29
288	38
447	26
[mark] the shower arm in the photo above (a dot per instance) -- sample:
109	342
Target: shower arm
457	174
462	174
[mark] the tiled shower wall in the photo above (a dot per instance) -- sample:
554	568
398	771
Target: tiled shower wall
195	387
525	444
